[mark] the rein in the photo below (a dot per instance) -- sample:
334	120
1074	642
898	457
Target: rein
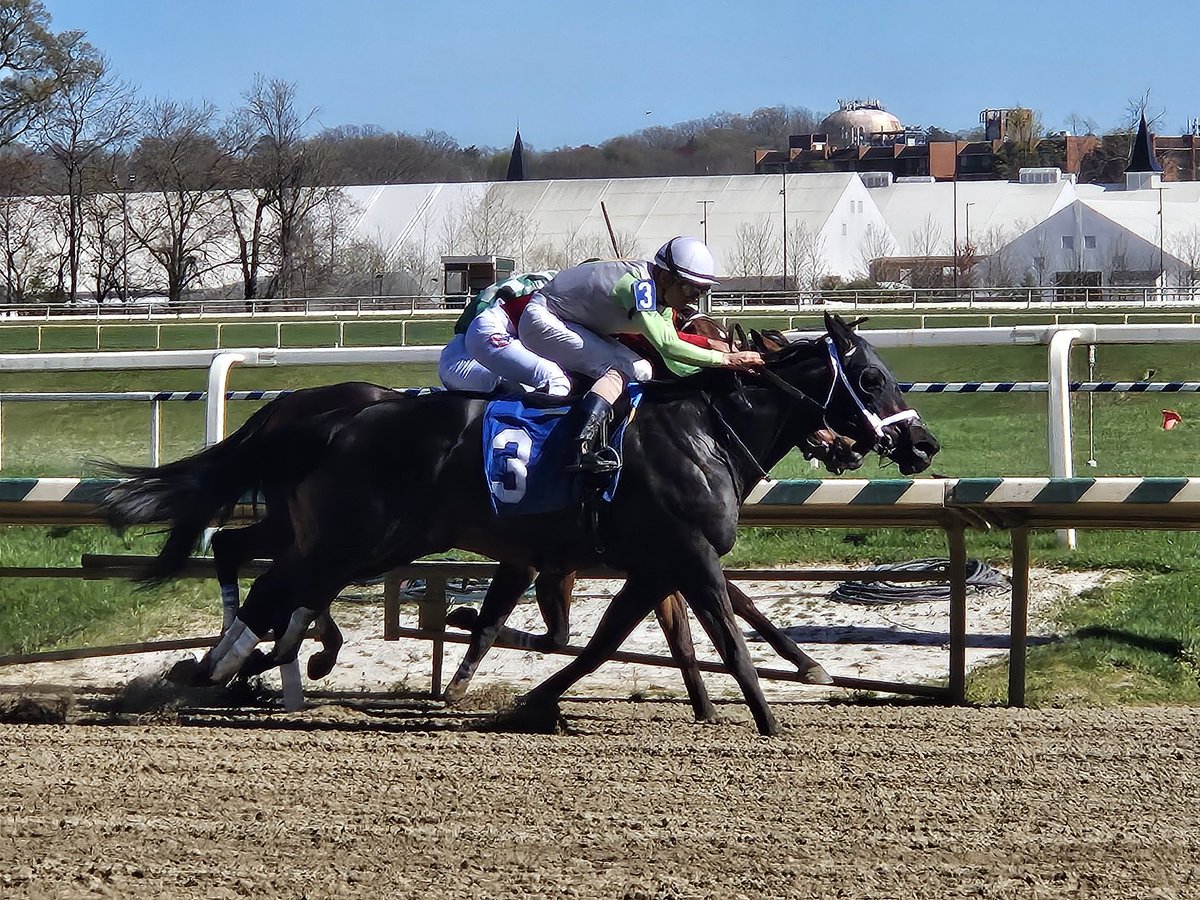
838	372
737	441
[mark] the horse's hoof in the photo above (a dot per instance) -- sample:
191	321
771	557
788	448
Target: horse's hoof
815	674
527	717
186	673
463	617
321	664
454	693
256	663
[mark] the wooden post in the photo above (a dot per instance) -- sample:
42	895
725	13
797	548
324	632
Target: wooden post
432	617
391	607
1018	622
958	612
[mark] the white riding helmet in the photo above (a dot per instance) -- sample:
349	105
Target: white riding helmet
689	259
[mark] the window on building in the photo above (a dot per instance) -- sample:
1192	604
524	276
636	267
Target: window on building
843	229
860	206
1089	241
1068	242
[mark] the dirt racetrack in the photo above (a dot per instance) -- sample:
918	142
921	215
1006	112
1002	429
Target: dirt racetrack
402	799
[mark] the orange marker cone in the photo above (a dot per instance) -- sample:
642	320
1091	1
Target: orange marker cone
1170	419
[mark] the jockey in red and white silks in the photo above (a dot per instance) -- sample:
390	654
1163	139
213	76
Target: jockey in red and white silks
486	352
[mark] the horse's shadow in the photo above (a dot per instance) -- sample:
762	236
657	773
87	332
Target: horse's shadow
895	636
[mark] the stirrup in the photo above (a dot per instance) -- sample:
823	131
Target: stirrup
597	462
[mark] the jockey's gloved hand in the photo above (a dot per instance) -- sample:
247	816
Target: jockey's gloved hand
742	359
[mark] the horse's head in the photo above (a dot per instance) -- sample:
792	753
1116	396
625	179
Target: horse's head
860	398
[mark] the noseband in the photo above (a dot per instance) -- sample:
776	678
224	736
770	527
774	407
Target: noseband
878	425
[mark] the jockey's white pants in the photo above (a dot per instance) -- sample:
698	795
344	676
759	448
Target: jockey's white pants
459	371
492	342
577	349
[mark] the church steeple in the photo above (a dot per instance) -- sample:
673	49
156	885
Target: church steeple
1141	154
516	162
1143	173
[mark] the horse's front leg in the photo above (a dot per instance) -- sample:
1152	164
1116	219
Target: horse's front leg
503	594
743	606
631	604
703	585
672	618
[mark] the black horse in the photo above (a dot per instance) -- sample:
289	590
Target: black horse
233	547
271	535
404	478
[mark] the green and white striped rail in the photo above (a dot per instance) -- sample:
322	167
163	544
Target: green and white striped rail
1039	502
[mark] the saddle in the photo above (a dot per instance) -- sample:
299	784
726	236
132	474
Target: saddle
528	447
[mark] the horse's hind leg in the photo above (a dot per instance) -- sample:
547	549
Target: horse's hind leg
329	636
554	601
813	671
631	604
672	618
508	584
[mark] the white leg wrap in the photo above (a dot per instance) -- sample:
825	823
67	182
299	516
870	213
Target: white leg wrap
297	625
229	605
226	665
293	686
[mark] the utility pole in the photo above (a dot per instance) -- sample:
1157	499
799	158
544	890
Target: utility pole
783	193
704	221
1160	241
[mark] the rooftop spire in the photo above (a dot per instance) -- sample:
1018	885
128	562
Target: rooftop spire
1141	154
516	162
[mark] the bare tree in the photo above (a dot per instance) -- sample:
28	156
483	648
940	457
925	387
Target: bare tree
179	218
927	244
806	256
1136	107
93	114
291	171
488	227
756	252
877	242
1185	247
994	256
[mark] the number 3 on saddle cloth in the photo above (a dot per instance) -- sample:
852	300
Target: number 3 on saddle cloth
526	451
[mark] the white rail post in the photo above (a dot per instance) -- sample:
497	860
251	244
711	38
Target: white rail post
1060	415
155	432
214	407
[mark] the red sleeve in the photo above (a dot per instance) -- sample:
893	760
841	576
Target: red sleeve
698	339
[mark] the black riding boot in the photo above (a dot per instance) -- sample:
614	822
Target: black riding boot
594	453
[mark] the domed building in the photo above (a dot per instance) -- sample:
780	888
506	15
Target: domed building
859	122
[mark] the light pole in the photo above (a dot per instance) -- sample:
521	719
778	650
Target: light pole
967	241
704	221
124	192
783	193
1160	241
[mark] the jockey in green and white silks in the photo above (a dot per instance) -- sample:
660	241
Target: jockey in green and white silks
569	321
485	351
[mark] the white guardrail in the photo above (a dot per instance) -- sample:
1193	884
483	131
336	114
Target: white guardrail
1058	340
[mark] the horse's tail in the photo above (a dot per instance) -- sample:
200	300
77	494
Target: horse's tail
190	494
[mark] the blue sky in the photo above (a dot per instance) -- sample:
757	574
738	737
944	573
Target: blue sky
573	72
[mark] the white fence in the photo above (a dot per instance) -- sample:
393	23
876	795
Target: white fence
1058	340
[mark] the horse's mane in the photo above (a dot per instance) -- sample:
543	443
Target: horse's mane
719	378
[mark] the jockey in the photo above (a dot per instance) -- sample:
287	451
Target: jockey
485	352
569	320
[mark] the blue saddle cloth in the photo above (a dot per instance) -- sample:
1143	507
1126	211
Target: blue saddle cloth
526	452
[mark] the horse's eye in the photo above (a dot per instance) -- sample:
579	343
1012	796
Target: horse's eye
871	379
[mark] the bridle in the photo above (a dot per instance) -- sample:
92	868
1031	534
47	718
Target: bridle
878	425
